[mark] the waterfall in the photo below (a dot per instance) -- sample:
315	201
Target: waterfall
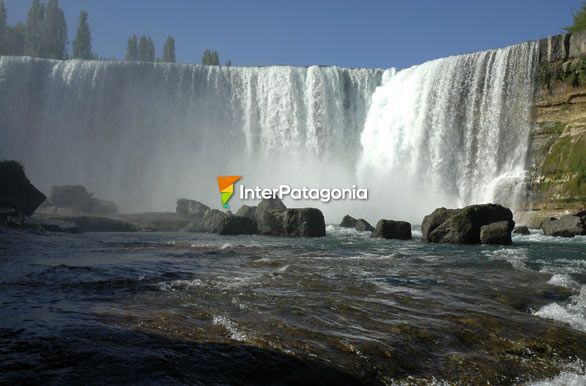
446	133
451	132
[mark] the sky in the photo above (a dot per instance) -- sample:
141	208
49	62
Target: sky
367	33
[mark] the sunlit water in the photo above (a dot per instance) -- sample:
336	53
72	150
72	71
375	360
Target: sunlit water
345	309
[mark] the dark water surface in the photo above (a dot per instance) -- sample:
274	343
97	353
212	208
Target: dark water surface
175	308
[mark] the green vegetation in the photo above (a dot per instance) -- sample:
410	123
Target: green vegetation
579	20
210	58
82	45
169	50
567	157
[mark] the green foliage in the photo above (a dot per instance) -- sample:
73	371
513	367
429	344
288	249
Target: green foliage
169	50
82	45
3	28
579	20
210	58
15	40
146	49
568	157
228	63
54	32
132	48
34	29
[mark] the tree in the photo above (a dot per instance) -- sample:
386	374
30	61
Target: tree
143	48
210	58
3	28
132	48
82	45
54	33
150	50
169	50
579	20
228	63
14	41
34	29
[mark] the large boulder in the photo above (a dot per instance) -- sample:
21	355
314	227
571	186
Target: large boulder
86	223
496	233
156	221
77	197
16	191
263	214
434	220
211	222
191	208
389	229
247	211
566	226
237	225
348	222
463	226
297	222
363	226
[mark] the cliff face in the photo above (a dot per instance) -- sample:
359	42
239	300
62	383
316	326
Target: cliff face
558	142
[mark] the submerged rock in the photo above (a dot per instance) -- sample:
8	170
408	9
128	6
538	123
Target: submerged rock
16	191
348	222
363	226
566	226
263	214
496	233
296	222
237	225
156	221
247	211
191	208
87	223
389	229
462	226
521	230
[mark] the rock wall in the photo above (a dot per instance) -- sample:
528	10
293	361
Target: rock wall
557	153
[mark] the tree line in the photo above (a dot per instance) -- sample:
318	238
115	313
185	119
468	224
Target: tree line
45	35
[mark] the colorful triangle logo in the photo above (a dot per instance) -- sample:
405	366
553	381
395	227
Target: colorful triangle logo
226	185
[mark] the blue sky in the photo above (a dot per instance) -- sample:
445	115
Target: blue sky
299	32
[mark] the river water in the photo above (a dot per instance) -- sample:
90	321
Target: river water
176	308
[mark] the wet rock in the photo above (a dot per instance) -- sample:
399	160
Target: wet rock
566	226
463	226
157	221
263	214
16	191
191	208
297	222
247	211
496	233
77	197
87	223
211	222
41	222
363	226
521	230
348	222
237	225
434	220
389	229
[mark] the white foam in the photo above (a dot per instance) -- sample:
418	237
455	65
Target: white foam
572	312
573	375
231	327
517	257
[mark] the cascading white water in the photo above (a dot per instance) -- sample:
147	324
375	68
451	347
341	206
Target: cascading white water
448	132
451	132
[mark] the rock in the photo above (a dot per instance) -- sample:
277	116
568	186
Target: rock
77	197
156	221
348	222
577	44
211	222
389	229
463	226
434	220
554	48
263	212
247	211
521	230
567	226
10	217
496	233
296	222
237	225
87	223
363	226
16	191
41	222
191	208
